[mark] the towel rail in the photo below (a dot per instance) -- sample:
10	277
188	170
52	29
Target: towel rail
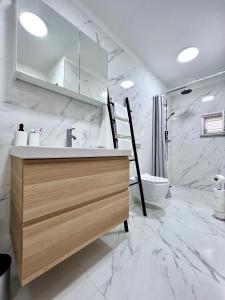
115	142
132	138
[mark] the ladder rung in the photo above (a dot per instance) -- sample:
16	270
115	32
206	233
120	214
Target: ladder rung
133	183
121	119
131	159
124	137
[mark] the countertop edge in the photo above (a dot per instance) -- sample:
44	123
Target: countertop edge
43	152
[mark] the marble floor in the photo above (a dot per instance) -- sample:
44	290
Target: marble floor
175	253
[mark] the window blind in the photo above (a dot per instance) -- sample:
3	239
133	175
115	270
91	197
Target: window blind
213	124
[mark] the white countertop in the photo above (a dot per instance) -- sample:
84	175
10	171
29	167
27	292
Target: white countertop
29	152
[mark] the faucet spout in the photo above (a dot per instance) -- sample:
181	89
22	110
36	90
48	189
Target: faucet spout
70	137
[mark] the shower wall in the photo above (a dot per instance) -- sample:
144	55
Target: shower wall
194	160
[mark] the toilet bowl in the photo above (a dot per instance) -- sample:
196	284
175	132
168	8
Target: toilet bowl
155	188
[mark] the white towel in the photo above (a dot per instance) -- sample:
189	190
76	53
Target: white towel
105	136
125	144
122	129
120	112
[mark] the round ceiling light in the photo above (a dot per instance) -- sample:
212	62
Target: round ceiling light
188	54
126	84
33	24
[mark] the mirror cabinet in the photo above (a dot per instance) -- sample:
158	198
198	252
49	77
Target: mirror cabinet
52	53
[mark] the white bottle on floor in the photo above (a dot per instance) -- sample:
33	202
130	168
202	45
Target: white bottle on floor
219	193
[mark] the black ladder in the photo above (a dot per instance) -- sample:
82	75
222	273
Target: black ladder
135	159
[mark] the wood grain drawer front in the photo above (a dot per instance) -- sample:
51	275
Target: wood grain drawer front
51	187
49	242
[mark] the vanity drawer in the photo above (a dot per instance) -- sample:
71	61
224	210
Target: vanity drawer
49	242
51	186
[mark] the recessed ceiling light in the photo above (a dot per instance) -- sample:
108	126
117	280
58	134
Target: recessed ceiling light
188	54
126	84
207	98
33	24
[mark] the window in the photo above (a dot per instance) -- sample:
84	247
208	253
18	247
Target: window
213	124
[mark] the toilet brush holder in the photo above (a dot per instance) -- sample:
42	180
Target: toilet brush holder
219	203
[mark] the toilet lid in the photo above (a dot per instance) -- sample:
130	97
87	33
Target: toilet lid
154	179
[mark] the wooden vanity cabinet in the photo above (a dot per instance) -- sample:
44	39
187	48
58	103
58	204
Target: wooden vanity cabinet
58	206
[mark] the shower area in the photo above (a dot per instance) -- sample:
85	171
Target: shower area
194	132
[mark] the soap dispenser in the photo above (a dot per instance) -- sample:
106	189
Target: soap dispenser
21	136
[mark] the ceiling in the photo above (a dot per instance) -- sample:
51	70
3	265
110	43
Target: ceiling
156	30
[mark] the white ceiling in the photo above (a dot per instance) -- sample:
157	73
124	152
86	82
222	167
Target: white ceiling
156	30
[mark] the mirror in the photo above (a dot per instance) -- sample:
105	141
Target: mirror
93	69
47	45
54	54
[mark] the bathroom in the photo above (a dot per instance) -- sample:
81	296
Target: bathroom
176	250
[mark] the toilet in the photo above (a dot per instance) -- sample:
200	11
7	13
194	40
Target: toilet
155	188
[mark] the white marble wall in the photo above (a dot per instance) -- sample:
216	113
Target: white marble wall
194	160
35	107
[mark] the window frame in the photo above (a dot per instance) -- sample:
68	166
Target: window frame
214	114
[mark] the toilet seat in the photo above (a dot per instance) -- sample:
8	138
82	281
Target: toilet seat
153	179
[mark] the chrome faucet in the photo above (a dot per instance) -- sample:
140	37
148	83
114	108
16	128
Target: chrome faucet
70	137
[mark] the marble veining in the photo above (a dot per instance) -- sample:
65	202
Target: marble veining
177	252
114	53
194	160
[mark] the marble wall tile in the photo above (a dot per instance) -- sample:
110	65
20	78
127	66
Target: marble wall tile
194	160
